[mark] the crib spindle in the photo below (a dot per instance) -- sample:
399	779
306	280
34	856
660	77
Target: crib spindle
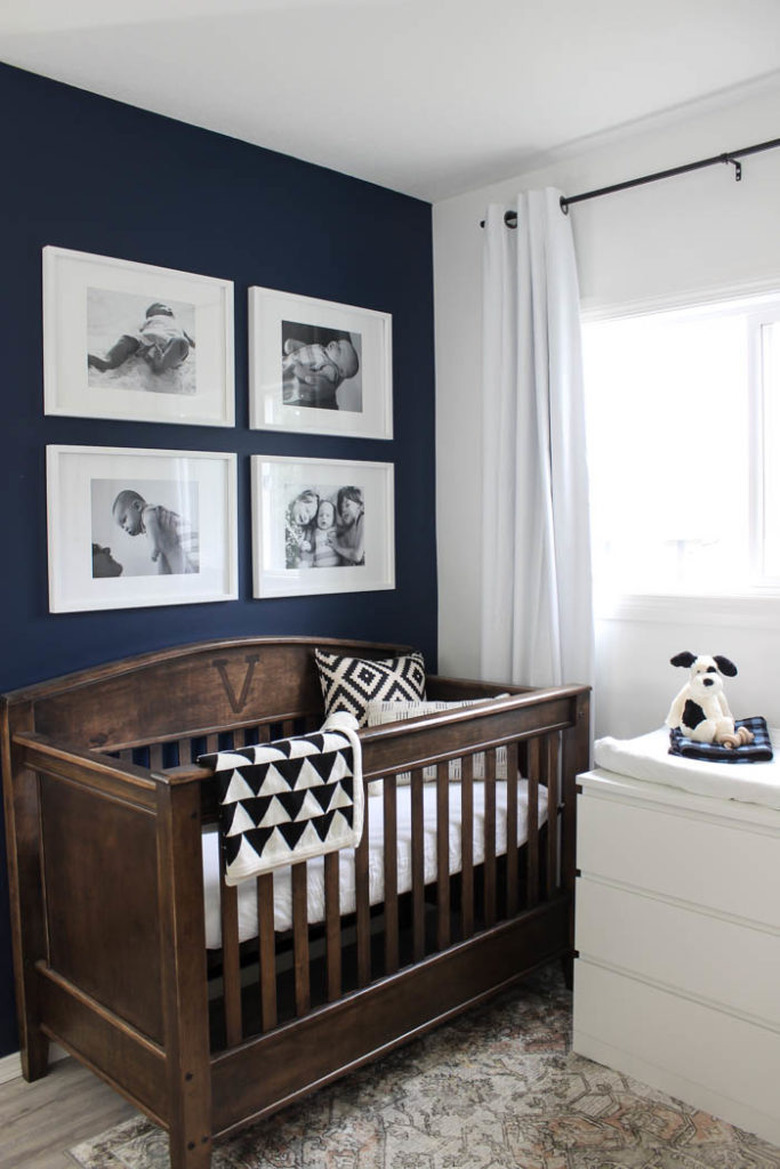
185	752
552	813
362	904
418	867
490	838
332	926
231	964
512	764
267	950
532	845
156	757
467	845
301	938
389	796
443	855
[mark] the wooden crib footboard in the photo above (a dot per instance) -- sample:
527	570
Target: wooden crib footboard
109	951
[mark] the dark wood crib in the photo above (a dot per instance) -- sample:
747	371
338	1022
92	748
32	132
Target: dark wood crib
105	813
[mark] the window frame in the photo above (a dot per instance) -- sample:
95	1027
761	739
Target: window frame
758	604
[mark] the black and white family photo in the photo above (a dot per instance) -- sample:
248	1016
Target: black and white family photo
324	527
321	368
137	342
144	528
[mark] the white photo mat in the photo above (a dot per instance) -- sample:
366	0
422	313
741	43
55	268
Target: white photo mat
364	399
277	482
86	545
90	302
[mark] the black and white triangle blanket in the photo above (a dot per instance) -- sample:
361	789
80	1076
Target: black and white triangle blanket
290	800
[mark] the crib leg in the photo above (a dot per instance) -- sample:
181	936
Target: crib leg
35	1055
185	994
189	1154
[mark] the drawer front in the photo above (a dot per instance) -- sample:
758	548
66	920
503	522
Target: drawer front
711	1059
729	868
709	958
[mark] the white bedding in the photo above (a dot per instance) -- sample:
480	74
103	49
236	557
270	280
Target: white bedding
647	757
247	892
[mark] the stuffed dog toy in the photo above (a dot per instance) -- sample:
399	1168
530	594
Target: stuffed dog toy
700	710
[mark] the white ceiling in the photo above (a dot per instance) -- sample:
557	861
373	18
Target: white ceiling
428	97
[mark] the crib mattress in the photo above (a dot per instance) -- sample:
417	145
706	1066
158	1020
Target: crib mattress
247	892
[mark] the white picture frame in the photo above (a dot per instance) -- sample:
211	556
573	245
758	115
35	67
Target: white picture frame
183	550
173	365
293	555
346	391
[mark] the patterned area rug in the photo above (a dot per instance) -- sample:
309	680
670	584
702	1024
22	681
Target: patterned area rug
495	1089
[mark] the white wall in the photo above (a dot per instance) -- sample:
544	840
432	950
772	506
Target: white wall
700	233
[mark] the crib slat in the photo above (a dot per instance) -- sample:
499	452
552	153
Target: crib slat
362	905
532	845
511	829
552	814
443	855
389	795
288	728
231	965
185	752
490	837
332	926
467	845
301	938
155	756
418	867
267	943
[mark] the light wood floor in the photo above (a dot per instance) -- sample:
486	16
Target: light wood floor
40	1121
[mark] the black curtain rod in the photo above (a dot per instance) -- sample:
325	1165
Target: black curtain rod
730	157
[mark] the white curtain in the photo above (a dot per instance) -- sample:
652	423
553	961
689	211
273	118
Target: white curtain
537	618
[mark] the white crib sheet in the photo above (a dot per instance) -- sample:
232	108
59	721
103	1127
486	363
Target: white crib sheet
647	757
247	892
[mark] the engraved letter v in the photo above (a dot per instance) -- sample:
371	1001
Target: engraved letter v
239	703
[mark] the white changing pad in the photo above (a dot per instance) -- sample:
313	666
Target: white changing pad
647	757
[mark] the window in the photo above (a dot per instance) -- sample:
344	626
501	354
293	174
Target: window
683	413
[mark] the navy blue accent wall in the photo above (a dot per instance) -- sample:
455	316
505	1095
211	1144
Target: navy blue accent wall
97	176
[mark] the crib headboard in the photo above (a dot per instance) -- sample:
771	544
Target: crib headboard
184	690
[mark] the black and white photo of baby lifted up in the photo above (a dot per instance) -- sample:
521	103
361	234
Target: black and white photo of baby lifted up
321	368
140	343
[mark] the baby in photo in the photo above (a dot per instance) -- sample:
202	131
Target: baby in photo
325	555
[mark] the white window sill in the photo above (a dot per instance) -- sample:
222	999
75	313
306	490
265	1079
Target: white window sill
746	610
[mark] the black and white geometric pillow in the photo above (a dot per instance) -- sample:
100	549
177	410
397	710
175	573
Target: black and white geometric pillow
288	801
351	683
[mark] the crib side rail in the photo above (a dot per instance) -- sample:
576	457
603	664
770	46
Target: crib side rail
541	736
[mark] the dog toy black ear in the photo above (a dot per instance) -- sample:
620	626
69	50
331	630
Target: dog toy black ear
725	666
686	658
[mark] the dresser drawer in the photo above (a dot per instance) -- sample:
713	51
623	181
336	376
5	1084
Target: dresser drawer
731	868
713	1060
706	957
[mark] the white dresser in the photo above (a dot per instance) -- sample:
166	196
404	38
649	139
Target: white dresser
677	982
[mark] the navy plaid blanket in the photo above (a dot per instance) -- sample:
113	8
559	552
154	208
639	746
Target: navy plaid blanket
759	751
